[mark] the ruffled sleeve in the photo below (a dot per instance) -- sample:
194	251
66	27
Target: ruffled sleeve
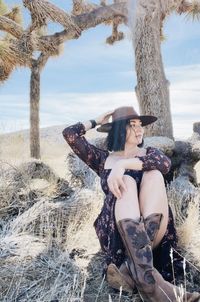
90	154
155	160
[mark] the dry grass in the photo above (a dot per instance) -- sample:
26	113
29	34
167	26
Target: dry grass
48	247
187	223
189	232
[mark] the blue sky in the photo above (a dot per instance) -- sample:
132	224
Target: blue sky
91	77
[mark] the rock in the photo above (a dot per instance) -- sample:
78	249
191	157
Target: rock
197	169
190	149
181	192
81	175
165	144
99	142
196	150
182	148
196	127
187	171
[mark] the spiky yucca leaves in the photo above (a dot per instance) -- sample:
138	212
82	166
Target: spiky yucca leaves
3	8
81	7
41	11
15	15
7	64
13	54
189	231
191	8
194	11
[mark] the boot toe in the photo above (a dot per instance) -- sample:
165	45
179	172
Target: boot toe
116	280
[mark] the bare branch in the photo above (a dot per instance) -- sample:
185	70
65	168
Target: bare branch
26	42
47	43
84	21
42	60
101	15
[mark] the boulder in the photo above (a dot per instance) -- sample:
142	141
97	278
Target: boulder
165	144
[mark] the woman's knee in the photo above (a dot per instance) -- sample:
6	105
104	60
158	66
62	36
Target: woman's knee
154	176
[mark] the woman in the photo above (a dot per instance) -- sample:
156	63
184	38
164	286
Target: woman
135	218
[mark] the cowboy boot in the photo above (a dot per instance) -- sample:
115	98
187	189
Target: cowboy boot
152	226
149	282
121	277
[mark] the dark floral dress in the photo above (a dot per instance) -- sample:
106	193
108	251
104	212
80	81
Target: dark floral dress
105	224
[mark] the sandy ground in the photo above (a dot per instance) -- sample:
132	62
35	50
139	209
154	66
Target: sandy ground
14	148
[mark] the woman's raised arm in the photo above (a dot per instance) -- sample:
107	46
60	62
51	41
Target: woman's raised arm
87	152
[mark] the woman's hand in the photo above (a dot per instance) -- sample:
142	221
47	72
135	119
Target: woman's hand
115	180
104	118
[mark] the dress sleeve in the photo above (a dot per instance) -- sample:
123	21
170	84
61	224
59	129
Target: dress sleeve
155	160
87	152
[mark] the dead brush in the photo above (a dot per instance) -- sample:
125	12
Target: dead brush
187	221
188	230
51	276
25	185
14	194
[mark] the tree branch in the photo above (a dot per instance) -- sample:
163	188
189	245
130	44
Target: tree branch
42	10
42	60
27	42
11	27
85	21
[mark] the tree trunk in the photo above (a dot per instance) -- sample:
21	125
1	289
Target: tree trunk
34	110
152	86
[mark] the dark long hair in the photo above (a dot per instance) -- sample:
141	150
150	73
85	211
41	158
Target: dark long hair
117	136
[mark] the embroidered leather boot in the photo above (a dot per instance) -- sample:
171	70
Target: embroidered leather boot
149	282
121	277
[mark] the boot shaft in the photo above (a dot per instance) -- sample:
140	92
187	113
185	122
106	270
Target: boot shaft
138	246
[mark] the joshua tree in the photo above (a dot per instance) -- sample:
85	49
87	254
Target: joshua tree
146	24
152	86
21	48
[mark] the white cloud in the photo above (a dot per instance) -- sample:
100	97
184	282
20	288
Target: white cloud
68	108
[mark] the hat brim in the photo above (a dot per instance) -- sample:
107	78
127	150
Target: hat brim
145	119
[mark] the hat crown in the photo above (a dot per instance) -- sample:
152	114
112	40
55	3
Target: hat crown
126	113
123	113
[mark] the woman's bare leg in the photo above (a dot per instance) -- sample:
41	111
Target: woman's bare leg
128	205
153	199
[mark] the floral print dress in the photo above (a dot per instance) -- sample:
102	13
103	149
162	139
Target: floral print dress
105	224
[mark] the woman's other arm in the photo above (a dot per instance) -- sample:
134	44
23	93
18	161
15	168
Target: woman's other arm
153	160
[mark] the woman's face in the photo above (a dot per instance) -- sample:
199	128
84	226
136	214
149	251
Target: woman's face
134	132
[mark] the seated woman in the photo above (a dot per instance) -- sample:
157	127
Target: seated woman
135	227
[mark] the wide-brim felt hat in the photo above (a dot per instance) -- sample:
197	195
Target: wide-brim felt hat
126	113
